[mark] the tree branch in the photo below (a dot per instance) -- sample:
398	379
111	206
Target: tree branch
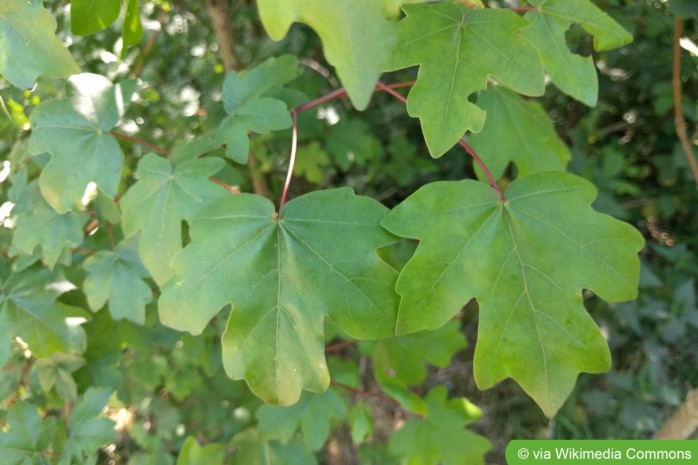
679	121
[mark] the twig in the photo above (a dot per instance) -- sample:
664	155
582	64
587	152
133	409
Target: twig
121	135
679	121
360	393
292	159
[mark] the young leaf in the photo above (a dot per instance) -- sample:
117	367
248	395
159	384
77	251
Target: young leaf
117	276
88	430
90	16
250	449
312	414
283	276
472	44
249	109
28	46
132	29
28	437
56	371
573	74
439	437
75	132
356	36
162	198
31	311
41	227
526	260
194	454
530	142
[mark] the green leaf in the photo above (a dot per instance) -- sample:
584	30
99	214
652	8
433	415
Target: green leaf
283	275
56	371
88	430
162	198
75	132
399	361
526	260
350	142
439	437
573	74
312	414
31	312
28	437
90	16
472	45
357	38
361	422
117	276
248	107
132	29
250	449
531	141
194	454
28	46
309	160
44	229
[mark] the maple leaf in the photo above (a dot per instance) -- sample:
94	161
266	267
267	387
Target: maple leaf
249	107
357	38
251	449
440	436
573	74
526	260
117	276
28	437
75	132
28	47
283	276
162	198
531	141
472	45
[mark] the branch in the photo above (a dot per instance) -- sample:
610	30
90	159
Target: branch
683	422
138	141
679	121
360	393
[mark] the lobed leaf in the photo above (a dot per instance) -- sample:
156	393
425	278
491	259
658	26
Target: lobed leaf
89	430
439	437
250	449
526	260
75	132
28	46
283	276
162	198
573	74
117	276
357	38
472	45
28	437
249	107
531	142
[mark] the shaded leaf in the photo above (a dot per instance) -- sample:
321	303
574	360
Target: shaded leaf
117	276
283	276
250	109
439	437
56	371
472	45
28	46
312	414
75	132
573	74
250	449
43	230
30	311
28	437
399	361
533	326
194	454
531	141
309	160
162	198
349	29
89	430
